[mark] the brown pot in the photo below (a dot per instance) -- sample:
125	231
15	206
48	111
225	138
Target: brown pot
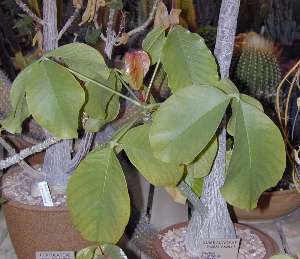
38	228
271	205
270	245
35	228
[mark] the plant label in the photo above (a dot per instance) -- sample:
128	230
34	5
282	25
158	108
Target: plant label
55	255
45	192
220	248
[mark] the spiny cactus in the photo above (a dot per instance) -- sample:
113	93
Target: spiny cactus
5	84
258	70
208	33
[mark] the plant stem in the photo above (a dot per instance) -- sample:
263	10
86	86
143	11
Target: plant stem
152	80
105	87
127	87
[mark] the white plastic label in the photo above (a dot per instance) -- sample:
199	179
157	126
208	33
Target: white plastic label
220	248
55	255
45	192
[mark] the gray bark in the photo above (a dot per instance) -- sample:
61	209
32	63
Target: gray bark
57	157
214	220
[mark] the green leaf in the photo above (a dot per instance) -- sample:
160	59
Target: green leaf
252	101
86	253
227	86
186	122
13	122
258	158
54	98
112	252
102	104
196	184
154	42
83	59
137	147
201	166
187	60
232	121
98	199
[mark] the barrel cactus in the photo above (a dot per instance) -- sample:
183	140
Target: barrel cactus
257	70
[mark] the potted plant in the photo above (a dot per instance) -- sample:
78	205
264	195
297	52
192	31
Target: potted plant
258	73
163	140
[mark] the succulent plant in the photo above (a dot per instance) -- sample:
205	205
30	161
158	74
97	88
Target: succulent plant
258	71
208	33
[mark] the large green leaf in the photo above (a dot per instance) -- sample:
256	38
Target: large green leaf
186	122
98	198
13	122
83	59
137	147
187	60
154	42
196	184
258	158
201	166
102	106
54	98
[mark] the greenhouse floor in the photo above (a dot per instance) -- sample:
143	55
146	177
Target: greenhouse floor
285	231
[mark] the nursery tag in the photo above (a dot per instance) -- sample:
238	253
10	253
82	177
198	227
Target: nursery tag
54	255
220	248
45	192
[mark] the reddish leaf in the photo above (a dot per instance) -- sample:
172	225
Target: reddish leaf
137	64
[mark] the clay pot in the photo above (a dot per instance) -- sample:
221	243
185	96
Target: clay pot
271	205
270	245
38	228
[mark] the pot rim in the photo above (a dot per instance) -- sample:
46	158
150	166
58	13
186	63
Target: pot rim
265	238
284	192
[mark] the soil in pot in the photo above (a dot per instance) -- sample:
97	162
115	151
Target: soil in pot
254	245
33	227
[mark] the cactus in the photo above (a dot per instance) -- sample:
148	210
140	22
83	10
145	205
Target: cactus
208	33
257	69
280	24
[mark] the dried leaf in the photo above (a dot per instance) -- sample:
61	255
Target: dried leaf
89	12
298	103
137	64
174	16
77	3
123	39
38	40
176	195
161	16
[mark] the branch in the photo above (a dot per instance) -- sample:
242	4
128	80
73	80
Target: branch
68	23
146	23
27	168
84	147
26	9
27	152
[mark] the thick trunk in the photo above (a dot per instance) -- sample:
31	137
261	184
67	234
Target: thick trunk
214	220
58	156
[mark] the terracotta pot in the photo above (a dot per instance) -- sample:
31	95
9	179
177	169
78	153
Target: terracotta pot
38	228
270	245
271	205
35	228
